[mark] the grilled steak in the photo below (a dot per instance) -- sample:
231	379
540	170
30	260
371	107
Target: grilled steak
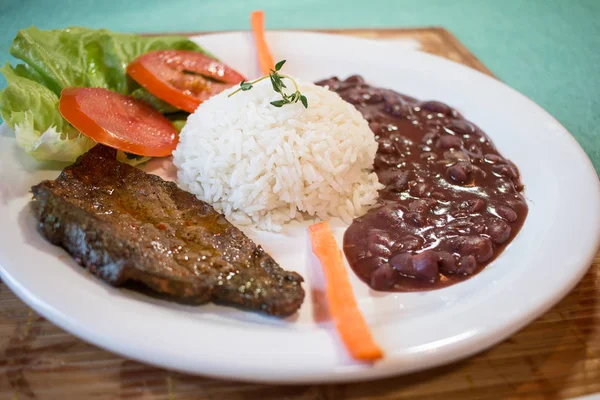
125	225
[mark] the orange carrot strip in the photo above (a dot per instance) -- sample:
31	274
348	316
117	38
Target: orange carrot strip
265	59
343	308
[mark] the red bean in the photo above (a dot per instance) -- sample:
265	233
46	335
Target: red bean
460	127
454	156
425	265
388	175
355	79
507	213
479	228
505	170
379	243
512	164
429	137
448	142
498	230
410	242
397	109
383	277
402	262
420	189
430	202
478	246
474	151
459	226
400	182
421	206
467	265
436	107
353	98
459	172
421	266
415	218
434	122
446	262
369	264
476	205
372	97
389	215
439	196
505	186
492	158
378	249
518	185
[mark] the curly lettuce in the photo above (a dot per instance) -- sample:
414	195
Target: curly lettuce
56	59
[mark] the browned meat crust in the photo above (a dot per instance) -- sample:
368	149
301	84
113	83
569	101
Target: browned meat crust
125	225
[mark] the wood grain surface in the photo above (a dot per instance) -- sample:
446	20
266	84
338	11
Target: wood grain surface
557	356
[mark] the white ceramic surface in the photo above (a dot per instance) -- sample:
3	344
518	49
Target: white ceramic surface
416	330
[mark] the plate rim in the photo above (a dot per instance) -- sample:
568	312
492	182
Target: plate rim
361	374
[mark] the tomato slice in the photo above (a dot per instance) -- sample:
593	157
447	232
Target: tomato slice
118	121
182	78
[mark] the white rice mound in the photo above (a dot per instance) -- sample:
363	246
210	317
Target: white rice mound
265	166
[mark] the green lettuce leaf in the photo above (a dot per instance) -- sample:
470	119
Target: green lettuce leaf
131	159
161	106
56	59
178	124
31	109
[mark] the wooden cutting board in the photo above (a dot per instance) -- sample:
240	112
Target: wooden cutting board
557	356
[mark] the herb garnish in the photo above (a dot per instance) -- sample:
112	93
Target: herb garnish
278	86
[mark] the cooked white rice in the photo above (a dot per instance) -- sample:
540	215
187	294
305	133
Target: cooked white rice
265	166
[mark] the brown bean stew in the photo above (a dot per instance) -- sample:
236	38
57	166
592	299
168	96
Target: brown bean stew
451	202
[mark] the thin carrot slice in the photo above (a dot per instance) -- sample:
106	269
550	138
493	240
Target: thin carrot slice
343	308
265	59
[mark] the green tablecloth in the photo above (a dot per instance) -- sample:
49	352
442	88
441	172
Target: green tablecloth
547	49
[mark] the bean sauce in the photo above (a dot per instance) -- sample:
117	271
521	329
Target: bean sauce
451	202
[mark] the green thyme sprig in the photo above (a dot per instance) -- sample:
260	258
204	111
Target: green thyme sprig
277	82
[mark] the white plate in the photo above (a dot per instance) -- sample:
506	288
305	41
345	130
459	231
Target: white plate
416	330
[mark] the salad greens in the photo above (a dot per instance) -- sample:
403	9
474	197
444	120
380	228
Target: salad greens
55	59
161	106
31	109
